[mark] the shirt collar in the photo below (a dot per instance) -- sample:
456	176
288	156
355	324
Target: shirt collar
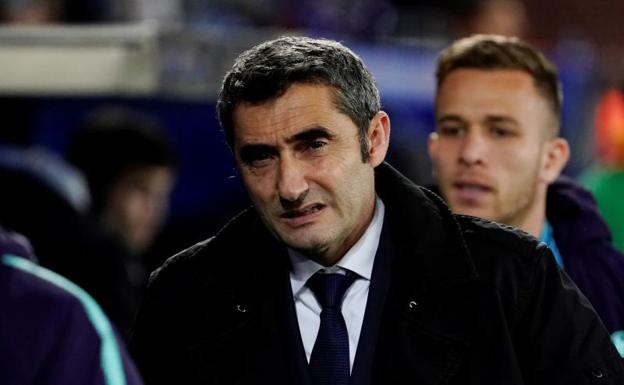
359	259
548	237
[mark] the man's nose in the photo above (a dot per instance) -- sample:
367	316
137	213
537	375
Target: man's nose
292	184
473	149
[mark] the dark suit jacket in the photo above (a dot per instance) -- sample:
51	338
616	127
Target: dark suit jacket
468	302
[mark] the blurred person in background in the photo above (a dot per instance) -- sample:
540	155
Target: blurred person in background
497	154
51	331
448	19
605	179
48	200
498	17
129	167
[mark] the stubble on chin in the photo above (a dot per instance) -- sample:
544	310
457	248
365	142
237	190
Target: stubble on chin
315	250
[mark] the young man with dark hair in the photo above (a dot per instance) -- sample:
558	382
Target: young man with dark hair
497	154
344	272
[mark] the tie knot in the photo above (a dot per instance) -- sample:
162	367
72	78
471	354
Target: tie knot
330	288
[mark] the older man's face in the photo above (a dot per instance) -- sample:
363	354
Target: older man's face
300	161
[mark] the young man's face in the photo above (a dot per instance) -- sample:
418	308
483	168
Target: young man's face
300	161
492	153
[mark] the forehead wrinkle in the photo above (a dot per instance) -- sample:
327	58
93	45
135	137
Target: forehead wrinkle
279	122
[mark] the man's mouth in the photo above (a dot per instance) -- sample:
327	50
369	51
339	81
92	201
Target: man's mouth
470	193
304	211
471	187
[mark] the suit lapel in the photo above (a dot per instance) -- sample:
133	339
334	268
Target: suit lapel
296	359
380	282
416	338
421	339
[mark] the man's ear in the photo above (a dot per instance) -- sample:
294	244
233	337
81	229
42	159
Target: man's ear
378	138
555	157
432	146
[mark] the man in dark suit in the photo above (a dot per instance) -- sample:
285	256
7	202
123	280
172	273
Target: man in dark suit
345	272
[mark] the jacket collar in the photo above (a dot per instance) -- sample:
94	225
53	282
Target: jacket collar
572	211
427	234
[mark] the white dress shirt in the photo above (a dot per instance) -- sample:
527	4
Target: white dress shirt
359	259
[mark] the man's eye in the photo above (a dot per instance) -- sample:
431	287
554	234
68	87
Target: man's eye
501	132
256	156
313	146
317	144
261	156
449	130
261	159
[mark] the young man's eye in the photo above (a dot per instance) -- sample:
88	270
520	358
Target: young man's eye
501	132
449	130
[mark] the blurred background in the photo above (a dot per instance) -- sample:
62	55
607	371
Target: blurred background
66	63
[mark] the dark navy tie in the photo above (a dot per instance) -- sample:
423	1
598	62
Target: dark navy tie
329	362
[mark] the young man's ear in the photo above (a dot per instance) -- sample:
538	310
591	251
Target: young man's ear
556	156
378	138
432	146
